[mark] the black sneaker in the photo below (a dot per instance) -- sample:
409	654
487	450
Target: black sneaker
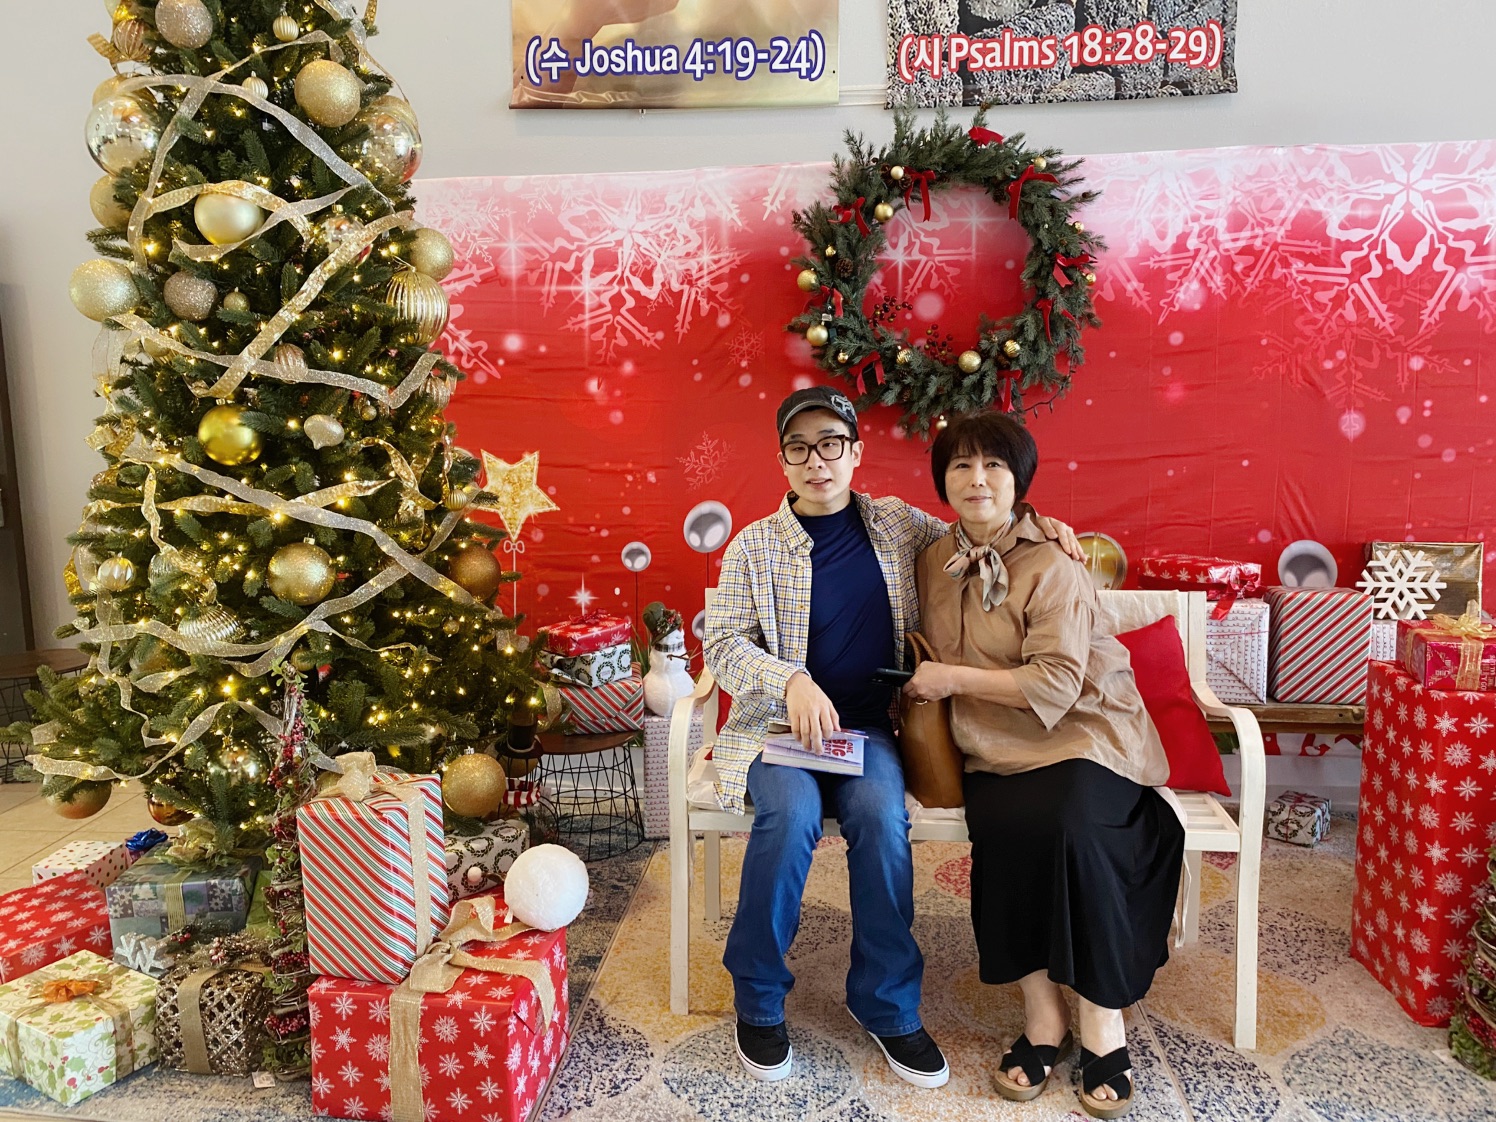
915	1058
765	1050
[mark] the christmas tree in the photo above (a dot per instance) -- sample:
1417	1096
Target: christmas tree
279	482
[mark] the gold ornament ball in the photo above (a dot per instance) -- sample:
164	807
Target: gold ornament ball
368	411
226	219
87	798
117	574
255	85
970	361
329	93
107	88
107	213
843	358
830	251
215	624
154	347
303	660
165	814
102	288
226	438
120	132
291	359
1040	163
236	301
904	355
473	785
285	28
460	498
817	335
1090	278
302	573
431	253
323	430
419	301
807	281
1105	559
882	212
896	172
190	296
476	569
129	40
1080	227
451	627
389	103
1012	349
245	763
184	23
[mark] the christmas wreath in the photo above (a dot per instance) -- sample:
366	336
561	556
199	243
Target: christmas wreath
1014	354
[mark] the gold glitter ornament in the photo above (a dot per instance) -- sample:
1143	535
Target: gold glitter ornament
323	430
807	281
301	573
830	251
1040	163
184	23
226	438
368	411
330	93
817	335
236	301
431	253
86	800
102	288
117	574
256	85
476	569
285	28
904	355
970	362
419	301
226	219
190	296
514	492
120	132
106	211
474	785
1012	349
882	212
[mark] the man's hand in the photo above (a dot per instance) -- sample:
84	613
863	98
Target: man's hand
931	682
1061	534
812	716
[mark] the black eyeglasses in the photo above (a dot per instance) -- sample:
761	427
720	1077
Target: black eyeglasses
831	448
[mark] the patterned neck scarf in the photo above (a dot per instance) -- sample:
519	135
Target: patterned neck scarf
986	561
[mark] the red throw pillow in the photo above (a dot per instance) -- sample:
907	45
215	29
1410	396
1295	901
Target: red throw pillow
1164	681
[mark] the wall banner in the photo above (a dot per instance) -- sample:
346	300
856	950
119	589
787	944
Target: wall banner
670	54
1010	52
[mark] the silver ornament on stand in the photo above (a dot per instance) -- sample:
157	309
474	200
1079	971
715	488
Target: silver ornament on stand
184	23
120	133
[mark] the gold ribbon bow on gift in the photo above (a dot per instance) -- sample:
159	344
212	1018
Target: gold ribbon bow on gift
61	991
475	920
1472	634
356	784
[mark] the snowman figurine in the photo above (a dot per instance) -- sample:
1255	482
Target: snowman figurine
667	680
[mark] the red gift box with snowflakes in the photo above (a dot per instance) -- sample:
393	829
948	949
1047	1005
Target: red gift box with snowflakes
485	1048
587	633
1427	819
49	921
1221	579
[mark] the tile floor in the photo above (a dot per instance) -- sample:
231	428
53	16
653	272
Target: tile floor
30	829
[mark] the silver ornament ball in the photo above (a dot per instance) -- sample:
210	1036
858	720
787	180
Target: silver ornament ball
190	296
184	23
391	153
120	133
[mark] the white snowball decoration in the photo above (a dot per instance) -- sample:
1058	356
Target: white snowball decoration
546	887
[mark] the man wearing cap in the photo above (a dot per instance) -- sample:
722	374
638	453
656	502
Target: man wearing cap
810	602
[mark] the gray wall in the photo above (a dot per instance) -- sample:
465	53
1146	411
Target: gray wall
1311	71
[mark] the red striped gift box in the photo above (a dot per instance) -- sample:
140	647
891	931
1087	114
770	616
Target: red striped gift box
1318	645
360	883
615	707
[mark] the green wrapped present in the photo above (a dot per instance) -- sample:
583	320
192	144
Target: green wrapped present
158	895
77	1026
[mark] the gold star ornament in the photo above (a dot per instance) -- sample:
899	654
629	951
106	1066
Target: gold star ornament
511	490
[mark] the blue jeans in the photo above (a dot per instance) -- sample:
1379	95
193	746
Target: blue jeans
883	983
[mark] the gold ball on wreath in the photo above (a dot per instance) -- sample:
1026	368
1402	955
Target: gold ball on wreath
87	798
904	355
102	288
431	253
476	569
1011	348
1040	163
285	28
107	213
330	93
117	574
226	219
474	785
970	362
226	438
302	573
896	172
882	212
1090	278
817	335
843	358
165	814
830	251
807	281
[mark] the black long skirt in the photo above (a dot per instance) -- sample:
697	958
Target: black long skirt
1074	870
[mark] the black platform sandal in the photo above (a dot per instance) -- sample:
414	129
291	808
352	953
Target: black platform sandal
1105	1071
1038	1063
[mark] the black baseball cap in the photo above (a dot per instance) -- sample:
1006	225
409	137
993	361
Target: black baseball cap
817	397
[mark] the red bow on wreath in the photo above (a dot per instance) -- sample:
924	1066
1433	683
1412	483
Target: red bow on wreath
980	136
1015	189
923	180
1062	263
1046	310
844	214
1009	377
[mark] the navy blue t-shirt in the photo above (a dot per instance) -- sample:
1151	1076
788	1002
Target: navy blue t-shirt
851	623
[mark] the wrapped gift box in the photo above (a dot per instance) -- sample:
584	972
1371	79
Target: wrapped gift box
100	861
1223	581
587	633
49	921
1427	813
210	1020
1298	817
158	895
141	843
1448	653
1318	645
657	772
616	707
487	1048
79	1024
611	664
1236	653
477	863
144	954
1460	566
1384	640
360	874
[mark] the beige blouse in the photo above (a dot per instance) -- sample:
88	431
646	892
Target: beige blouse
1084	703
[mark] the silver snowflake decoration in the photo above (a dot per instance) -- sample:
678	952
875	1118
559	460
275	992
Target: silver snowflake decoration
1402	583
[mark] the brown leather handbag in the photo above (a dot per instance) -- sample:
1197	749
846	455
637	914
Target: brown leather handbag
933	765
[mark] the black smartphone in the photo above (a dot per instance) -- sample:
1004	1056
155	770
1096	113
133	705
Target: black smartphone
892	677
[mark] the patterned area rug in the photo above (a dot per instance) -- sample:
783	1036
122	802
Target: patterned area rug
1333	1045
156	1095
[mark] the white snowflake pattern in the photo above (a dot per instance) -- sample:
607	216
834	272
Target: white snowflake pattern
65	946
343	1005
1439	1007
1488	762
1470	855
1418	941
1445	723
342	1039
747	347
490	1089
379	1012
483	1021
1426	911
34	955
353	1108
1457	755
321	1085
515	1058
450	1065
445	1029
1478	725
1402	584
1448	884
1467	789
459	1101
481	1055
705	462
1426	977
1428	817
351	1073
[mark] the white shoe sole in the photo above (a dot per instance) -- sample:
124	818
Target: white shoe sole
759	1071
926	1079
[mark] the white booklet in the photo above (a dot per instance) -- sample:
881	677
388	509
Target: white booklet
841	752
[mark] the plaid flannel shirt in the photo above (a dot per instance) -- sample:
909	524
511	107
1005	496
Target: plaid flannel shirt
758	627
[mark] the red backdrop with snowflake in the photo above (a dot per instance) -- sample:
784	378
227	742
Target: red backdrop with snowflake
1293	348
